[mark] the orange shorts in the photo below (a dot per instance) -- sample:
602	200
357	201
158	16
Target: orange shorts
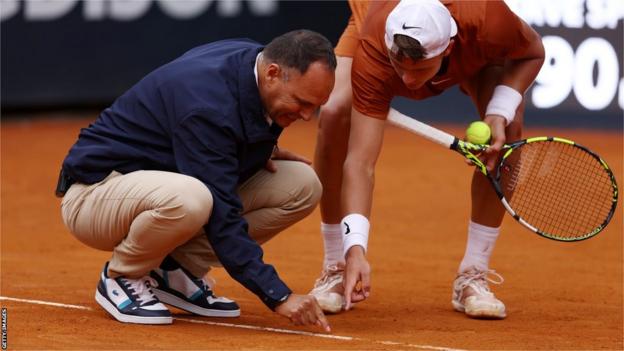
350	38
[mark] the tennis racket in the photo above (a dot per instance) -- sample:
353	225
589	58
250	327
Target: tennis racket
555	187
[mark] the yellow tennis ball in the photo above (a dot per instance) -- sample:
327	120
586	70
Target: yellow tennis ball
478	132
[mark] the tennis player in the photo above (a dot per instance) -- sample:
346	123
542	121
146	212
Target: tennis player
417	49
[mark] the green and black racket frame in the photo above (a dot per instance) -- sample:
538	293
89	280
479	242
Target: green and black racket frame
553	186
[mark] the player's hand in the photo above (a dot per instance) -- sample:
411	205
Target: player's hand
282	154
303	310
357	276
497	141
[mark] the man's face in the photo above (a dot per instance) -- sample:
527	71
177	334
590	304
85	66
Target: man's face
415	73
288	95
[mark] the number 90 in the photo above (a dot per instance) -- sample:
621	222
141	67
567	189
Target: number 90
563	70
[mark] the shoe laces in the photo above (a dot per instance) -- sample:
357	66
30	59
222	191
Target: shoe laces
142	289
478	281
330	274
206	286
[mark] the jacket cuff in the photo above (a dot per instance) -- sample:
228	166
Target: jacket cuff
275	295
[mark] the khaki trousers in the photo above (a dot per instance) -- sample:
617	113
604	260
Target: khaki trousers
144	216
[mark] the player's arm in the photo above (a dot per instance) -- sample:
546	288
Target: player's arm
522	67
365	143
523	53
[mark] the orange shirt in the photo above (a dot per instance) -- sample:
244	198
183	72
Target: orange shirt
488	33
350	38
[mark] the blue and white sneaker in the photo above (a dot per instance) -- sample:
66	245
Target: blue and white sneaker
131	300
179	288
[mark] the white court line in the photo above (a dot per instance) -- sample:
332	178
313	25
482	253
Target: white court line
47	303
251	327
276	330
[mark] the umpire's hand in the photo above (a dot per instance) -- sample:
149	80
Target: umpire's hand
303	310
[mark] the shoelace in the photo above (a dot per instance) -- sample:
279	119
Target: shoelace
480	280
142	289
206	286
330	273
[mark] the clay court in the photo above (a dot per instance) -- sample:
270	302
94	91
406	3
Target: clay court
558	295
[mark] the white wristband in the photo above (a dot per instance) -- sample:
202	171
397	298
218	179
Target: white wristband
355	229
504	102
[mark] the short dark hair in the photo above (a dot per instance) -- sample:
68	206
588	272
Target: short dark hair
408	47
300	48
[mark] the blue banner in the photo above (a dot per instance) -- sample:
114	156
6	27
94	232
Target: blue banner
86	53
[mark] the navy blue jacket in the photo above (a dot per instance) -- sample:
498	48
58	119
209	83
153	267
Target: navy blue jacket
199	115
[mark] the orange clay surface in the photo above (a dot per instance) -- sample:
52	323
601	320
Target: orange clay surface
558	295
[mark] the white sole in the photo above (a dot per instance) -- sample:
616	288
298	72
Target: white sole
478	313
177	302
113	311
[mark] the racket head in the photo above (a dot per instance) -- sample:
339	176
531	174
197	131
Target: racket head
557	188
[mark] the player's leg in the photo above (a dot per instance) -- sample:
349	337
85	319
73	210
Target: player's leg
141	217
331	151
471	292
486	209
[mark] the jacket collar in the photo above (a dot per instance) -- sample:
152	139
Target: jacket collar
250	105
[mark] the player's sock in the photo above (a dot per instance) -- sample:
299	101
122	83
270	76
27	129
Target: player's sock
481	240
332	241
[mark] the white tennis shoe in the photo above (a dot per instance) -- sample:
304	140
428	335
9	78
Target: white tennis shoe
328	289
472	295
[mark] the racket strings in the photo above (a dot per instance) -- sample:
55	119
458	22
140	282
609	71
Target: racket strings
581	193
558	188
553	220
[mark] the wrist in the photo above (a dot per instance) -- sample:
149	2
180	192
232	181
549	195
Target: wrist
504	102
281	301
355	251
355	228
493	118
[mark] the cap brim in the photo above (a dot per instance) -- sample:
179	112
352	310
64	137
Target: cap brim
453	27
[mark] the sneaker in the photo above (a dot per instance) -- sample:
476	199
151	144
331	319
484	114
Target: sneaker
131	300
328	289
181	289
472	295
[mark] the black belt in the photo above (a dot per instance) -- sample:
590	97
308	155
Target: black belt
64	182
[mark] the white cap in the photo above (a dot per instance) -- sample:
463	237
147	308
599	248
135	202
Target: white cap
427	21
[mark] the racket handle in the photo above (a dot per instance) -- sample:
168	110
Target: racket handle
417	127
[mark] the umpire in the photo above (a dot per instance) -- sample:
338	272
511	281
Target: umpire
182	173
